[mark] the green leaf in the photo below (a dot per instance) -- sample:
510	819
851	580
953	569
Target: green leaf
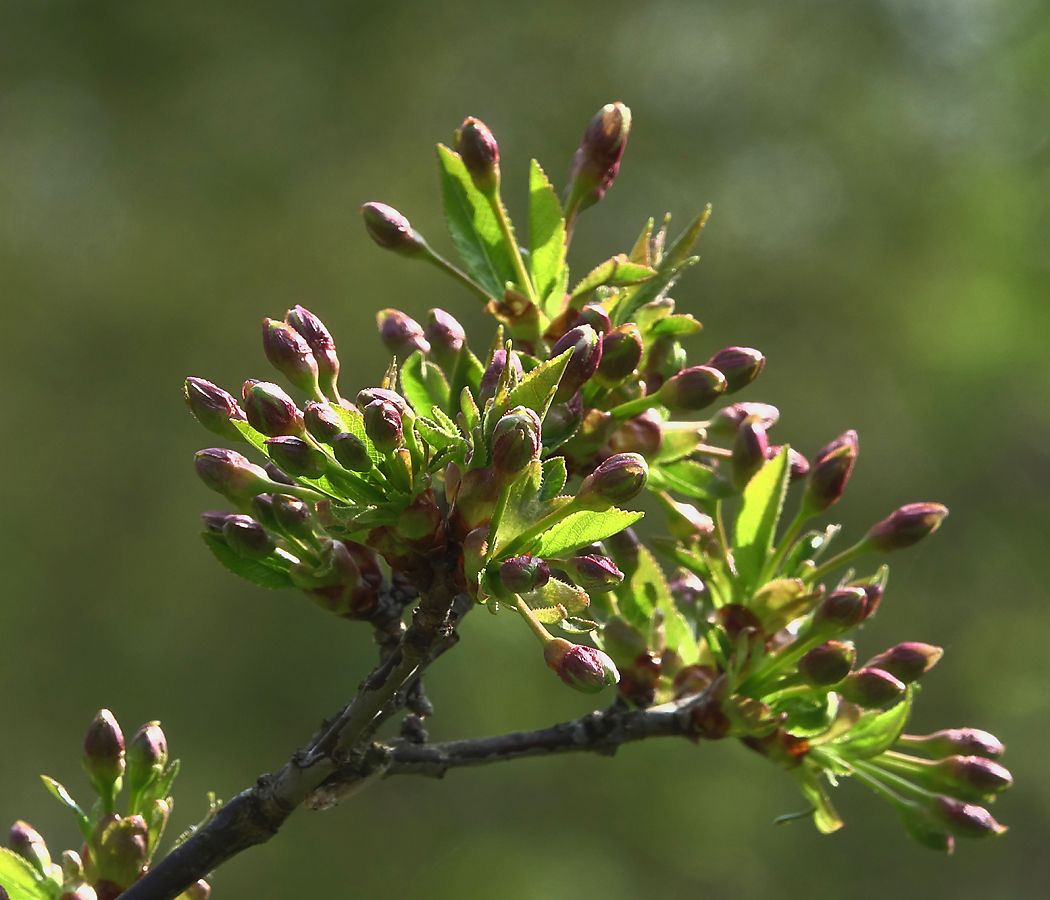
679	440
875	732
258	572
676	326
473	226
824	815
554	477
537	389
558	593
424	384
436	435
686	476
21	880
618	271
649	589
640	252
83	822
355	425
581	528
576	625
756	521
546	233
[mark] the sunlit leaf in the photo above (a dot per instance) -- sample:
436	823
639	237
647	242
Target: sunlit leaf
546	235
582	528
537	389
756	521
424	384
618	271
20	879
875	732
259	572
554	477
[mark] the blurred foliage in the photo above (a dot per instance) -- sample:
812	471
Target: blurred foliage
171	173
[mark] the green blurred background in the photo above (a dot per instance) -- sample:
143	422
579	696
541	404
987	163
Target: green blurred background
170	173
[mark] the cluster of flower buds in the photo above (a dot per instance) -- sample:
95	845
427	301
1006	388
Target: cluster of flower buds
117	848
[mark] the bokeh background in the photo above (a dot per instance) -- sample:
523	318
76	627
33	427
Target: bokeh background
170	173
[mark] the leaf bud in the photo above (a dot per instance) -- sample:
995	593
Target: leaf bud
293	516
827	664
692	389
964	819
26	841
871	688
321	345
289	353
619	479
726	421
621	354
490	378
272	412
351	453
951	741
322	422
971	778
596	162
750	450
829	473
247	538
906	526
586	346
213	407
230	473
120	849
446	337
841	610
595	574
521	574
476	145
383	426
146	757
104	754
391	230
515	442
908	661
579	666
595	315
401	335
740	365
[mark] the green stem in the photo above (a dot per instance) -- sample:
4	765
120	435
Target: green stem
709	450
790	536
848	555
758	685
497	517
512	246
633	407
902	784
537	627
469	283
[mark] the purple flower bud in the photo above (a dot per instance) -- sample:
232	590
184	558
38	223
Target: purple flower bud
595	315
827	664
213	520
829	473
908	661
215	409
692	389
964	819
580	667
120	849
199	890
871	688
873	594
293	516
689	591
726	421
272	412
247	537
26	841
370	395
277	476
586	348
596	162
476	145
619	479
383	426
296	457
950	741
289	353
562	421
491	376
971	778
446	337
642	434
230	473
104	752
907	526
595	574
351	453
321	345
322	422
515	442
750	449
401	335
391	230
798	463
524	573
841	610
621	354
146	757
740	365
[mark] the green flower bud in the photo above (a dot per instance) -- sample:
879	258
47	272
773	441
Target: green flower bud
581	667
296	457
666	357
401	335
420	518
321	345
964	819
621	354
920	825
392	231
26	841
740	365
692	389
146	757
230	473
515	442
617	480
72	868
104	754
521	574
829	473
827	664
586	348
476	145
247	538
951	741
271	411
908	661
322	422
726	421
215	409
906	526
871	688
351	453
290	354
595	315
595	574
446	337
596	162
120	848
383	426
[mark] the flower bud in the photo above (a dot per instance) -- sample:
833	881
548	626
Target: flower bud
401	335
873	597
104	754
689	591
841	610
595	315
596	162
515	442
391	230
322	422
272	412
619	479
289	353
595	574
580	667
322	346
871	688
666	357
247	537
277	476
370	395
586	348
950	741
964	819
476	145
621	354
351	453
420	518
726	421
120	849
907	526
750	449
642	434
479	489
446	337
26	841
521	574
827	664
491	376
336	585
296	457
230	473
829	473
383	426
908	661
684	521
215	409
692	389
293	516
924	829
213	520
798	463
72	868
971	778
146	757
740	365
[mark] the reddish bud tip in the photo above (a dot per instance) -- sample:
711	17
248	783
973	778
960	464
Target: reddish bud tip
740	365
827	664
296	457
383	426
871	688
726	421
692	389
830	472
597	161
617	480
290	354
951	741
391	230
322	346
401	335
213	407
446	337
595	574
230	473
581	667
906	526
480	152
272	412
586	346
516	442
521	574
908	661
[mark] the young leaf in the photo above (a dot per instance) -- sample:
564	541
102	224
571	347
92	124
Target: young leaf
676	326
536	390
584	527
355	425
824	815
875	732
640	252
554	477
83	822
258	572
679	440
424	384
576	625
558	593
756	522
546	233
618	271
21	880
437	435
686	476
649	588
473	226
